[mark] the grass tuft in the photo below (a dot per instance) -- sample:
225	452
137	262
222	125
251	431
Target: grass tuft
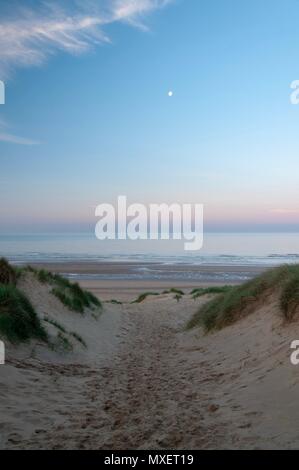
289	298
18	319
143	296
209	290
177	297
64	342
55	323
115	302
78	338
69	293
238	301
173	290
7	273
65	333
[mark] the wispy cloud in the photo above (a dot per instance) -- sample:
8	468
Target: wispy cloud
132	11
29	36
6	136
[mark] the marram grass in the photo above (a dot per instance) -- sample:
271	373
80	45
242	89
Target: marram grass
238	301
69	293
18	319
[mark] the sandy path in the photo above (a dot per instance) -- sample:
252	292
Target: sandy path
144	398
155	404
161	387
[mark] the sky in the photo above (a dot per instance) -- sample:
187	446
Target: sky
88	116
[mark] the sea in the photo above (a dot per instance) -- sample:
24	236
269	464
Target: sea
150	257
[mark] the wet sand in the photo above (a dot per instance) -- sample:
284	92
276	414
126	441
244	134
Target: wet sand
114	284
113	268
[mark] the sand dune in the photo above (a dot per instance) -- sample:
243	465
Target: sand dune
143	382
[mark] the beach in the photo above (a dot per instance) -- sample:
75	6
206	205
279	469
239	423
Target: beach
126	280
145	382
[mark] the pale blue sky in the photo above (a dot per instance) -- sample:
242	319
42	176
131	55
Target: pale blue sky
87	90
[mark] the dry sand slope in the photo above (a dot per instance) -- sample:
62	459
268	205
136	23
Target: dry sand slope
145	383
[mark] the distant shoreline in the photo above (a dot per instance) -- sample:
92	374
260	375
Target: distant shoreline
125	280
127	268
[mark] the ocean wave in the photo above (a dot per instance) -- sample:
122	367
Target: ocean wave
288	255
205	260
